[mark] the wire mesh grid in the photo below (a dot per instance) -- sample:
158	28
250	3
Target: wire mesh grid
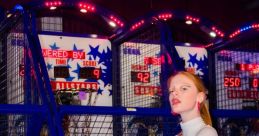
103	125
237	76
234	86
140	60
13	88
238	127
13	124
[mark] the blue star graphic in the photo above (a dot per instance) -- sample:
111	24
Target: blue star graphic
110	92
54	47
90	80
68	66
75	48
52	79
49	66
201	64
69	78
94	51
155	73
77	70
193	58
99	91
105	56
105	59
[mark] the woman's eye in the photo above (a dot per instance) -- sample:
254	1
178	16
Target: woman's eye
184	88
171	91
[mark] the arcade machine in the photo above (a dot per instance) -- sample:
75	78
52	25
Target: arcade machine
234	79
52	61
153	48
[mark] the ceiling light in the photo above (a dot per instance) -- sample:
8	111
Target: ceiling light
9	15
188	22
212	34
52	8
83	10
93	35
112	24
187	44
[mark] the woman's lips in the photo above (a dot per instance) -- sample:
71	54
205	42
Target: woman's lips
176	101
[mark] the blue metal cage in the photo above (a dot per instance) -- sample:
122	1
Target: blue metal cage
143	56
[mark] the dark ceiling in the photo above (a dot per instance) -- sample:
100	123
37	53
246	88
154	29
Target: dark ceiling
226	14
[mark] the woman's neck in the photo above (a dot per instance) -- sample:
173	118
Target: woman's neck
187	116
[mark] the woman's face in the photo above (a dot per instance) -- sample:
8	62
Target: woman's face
183	94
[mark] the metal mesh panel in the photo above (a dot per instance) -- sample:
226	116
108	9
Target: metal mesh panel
140	70
238	127
13	125
16	86
74	97
237	76
13	69
77	125
235	70
102	125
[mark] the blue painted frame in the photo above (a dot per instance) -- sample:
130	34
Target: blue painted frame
2	14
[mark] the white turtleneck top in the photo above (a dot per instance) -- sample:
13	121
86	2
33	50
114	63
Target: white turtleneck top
196	127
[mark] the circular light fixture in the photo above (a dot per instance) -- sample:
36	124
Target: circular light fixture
188	22
187	44
83	10
212	34
112	24
52	8
93	35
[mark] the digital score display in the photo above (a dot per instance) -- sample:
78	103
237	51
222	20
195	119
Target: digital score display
143	77
90	73
61	72
254	82
247	67
232	82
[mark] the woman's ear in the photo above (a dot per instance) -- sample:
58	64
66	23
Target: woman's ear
201	97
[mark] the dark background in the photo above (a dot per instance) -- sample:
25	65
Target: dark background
226	14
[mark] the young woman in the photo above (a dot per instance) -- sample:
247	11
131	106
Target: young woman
187	98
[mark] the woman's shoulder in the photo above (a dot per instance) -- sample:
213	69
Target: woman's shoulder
207	131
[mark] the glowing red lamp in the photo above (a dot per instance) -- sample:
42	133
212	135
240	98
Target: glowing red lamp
217	31
85	7
137	25
117	21
53	4
192	19
165	16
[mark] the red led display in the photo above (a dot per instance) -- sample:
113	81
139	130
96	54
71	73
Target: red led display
61	72
143	77
254	82
90	73
232	82
247	67
152	60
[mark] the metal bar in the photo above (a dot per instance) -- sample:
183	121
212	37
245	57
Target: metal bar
102	110
55	116
235	113
21	109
